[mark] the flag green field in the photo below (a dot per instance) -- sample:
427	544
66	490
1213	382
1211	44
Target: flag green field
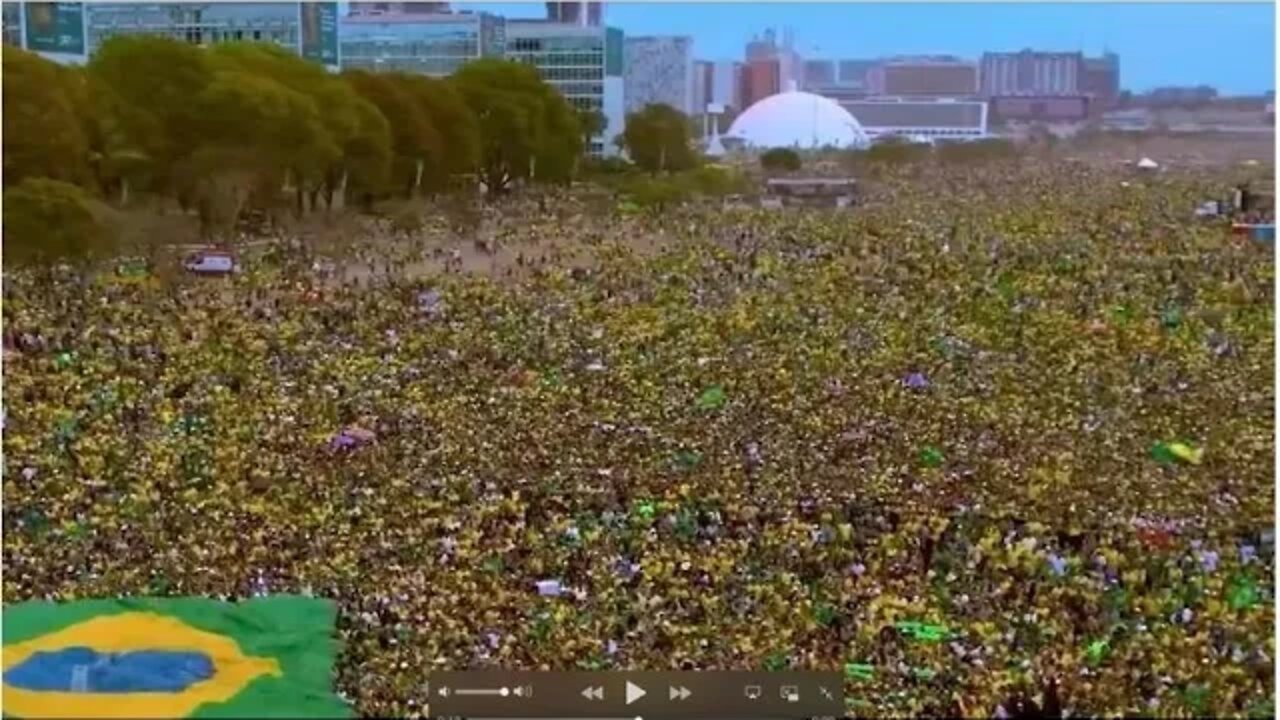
171	657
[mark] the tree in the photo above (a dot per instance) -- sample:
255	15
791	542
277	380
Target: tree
445	108
117	159
366	156
352	138
48	221
527	129
43	134
657	139
256	134
591	124
656	194
716	181
154	84
560	148
414	137
780	160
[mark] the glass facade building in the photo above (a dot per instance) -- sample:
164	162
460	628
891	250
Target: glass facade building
583	63
568	57
425	44
12	22
196	23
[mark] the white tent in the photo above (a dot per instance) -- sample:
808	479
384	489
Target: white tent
1147	163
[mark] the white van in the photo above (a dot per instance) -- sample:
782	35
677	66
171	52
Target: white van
211	262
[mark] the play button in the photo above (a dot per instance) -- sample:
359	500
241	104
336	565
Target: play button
634	692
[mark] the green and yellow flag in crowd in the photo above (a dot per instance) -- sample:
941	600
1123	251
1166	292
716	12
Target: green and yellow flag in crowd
171	657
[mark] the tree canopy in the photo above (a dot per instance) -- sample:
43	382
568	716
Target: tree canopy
780	160
242	126
527	129
47	221
657	139
44	136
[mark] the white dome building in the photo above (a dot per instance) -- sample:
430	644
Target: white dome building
797	119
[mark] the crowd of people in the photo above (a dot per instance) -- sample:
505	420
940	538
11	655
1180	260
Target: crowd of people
999	441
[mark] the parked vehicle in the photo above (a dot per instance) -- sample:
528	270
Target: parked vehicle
211	262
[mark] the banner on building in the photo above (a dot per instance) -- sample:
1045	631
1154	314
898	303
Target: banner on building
55	27
319	32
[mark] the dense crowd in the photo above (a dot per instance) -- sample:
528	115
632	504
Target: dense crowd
1002	439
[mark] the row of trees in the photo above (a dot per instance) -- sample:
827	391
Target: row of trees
245	125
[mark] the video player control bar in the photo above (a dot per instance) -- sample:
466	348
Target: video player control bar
742	695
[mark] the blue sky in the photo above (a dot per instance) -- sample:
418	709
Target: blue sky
1228	45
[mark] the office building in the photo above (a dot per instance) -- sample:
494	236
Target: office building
430	44
1102	80
584	14
703	71
719	83
716	83
1045	74
921	119
762	47
760	79
584	63
660	70
846	80
199	24
1040	109
11	21
765	49
397	8
925	77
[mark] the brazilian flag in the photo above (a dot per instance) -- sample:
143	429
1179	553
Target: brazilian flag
171	657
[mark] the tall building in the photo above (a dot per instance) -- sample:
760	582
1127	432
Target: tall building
1102	80
771	67
11	21
760	79
703	72
762	48
924	77
1045	74
430	44
585	14
208	23
723	86
584	63
717	83
659	70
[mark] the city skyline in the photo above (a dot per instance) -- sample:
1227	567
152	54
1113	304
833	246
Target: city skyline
1169	45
